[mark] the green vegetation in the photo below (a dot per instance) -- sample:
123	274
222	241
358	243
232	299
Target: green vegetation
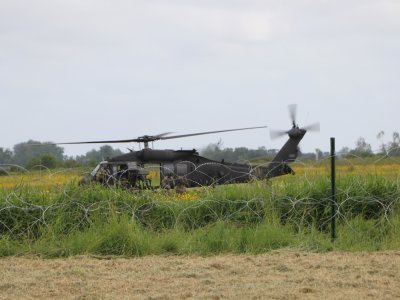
36	155
247	218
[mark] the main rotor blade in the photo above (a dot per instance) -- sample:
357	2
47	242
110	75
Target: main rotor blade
313	127
151	138
292	113
98	142
137	140
208	132
162	134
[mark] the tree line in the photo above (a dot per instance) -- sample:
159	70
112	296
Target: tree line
34	154
361	149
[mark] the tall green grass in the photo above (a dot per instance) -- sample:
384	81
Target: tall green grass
244	218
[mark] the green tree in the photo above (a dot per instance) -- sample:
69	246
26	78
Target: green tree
216	152
318	154
212	151
5	156
70	162
46	161
362	149
26	151
382	146
93	157
393	147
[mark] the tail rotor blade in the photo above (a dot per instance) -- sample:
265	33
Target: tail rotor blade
313	127
293	113
274	134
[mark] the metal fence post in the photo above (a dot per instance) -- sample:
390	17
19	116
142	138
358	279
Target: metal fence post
333	189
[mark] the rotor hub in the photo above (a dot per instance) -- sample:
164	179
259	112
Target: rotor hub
296	132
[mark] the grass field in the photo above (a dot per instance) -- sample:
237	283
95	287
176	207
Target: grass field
255	241
46	213
283	274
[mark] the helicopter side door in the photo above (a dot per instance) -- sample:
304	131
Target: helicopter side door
174	172
182	168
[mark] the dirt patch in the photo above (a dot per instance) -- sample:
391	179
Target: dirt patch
277	275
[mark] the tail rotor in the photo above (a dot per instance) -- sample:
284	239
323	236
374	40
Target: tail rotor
295	131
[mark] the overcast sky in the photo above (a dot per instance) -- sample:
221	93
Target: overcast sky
73	70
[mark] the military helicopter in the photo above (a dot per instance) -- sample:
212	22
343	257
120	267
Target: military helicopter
181	169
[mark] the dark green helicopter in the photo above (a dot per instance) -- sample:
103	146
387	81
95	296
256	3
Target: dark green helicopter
181	169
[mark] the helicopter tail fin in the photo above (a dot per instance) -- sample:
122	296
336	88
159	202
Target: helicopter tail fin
288	153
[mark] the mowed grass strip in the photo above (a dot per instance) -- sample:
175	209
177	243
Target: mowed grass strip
283	274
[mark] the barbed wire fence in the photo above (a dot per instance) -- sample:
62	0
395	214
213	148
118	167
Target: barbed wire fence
367	188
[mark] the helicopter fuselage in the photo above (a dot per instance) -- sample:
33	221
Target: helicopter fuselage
187	168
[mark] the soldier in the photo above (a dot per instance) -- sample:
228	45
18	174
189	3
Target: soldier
103	175
181	185
168	182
